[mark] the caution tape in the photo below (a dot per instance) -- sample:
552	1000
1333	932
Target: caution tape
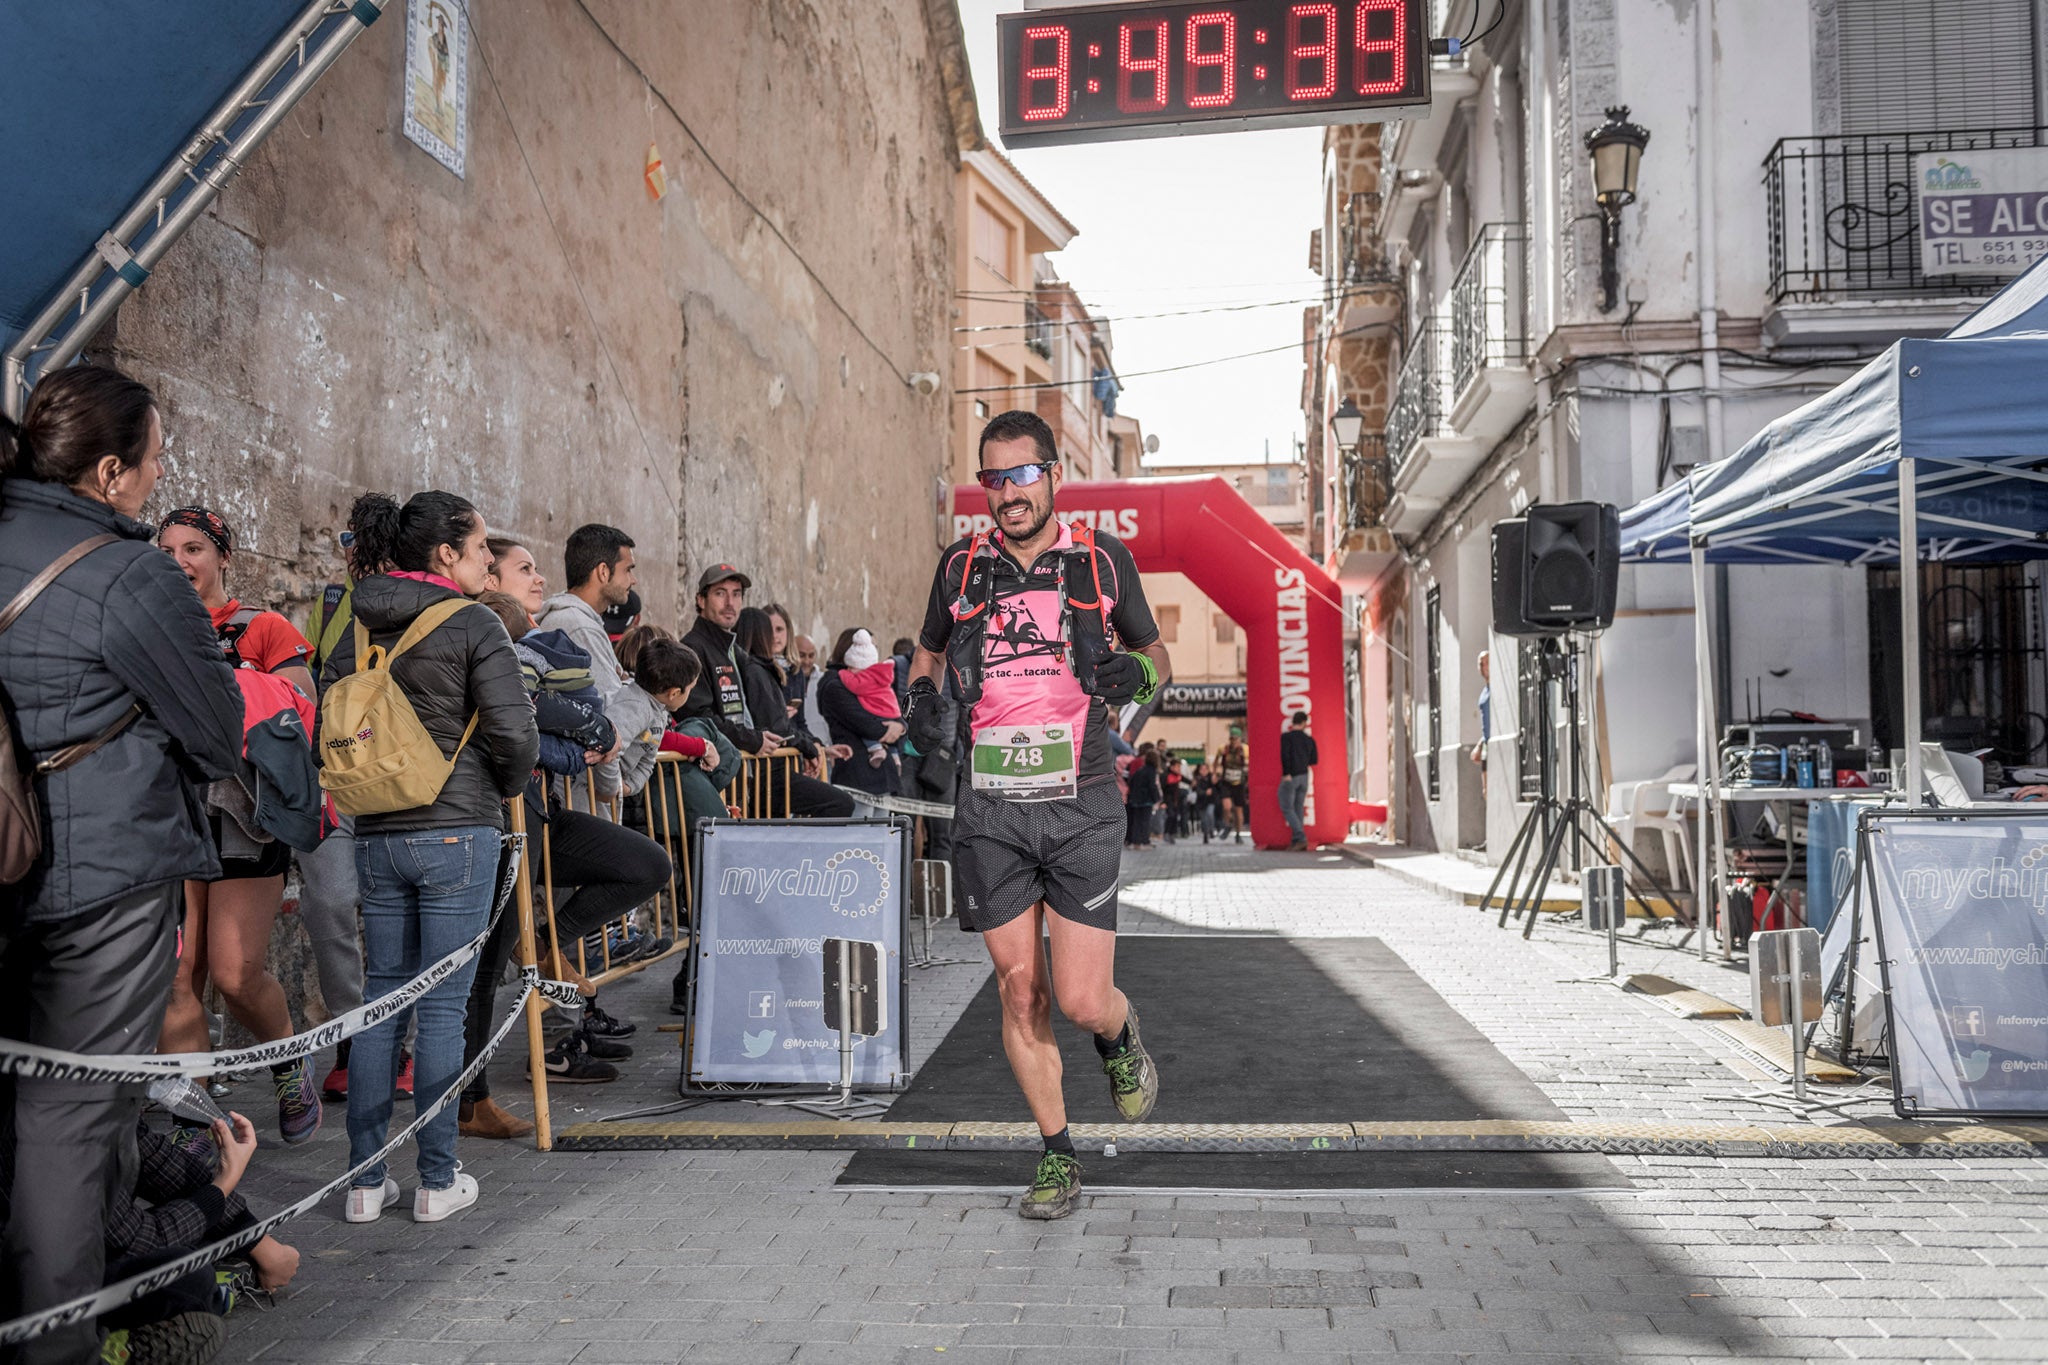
47	1063
148	1282
902	805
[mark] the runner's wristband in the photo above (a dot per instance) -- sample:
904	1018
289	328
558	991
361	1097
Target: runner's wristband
1143	696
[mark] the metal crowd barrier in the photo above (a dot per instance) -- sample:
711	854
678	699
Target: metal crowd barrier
752	795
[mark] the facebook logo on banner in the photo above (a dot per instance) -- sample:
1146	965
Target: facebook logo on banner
760	1004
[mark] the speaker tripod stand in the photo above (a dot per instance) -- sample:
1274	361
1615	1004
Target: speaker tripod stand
1555	824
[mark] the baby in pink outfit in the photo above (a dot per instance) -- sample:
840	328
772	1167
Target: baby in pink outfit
872	680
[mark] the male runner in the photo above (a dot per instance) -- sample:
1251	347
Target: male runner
1026	619
1233	778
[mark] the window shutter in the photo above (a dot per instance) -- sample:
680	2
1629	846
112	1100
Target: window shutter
1909	66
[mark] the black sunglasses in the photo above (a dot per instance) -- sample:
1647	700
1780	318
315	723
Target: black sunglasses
1022	475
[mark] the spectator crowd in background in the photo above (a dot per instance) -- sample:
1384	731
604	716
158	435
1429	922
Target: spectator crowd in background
162	778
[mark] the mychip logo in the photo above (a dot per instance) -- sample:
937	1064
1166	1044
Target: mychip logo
854	882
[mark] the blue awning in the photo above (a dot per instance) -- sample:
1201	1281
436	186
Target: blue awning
1821	483
1970	408
125	118
101	94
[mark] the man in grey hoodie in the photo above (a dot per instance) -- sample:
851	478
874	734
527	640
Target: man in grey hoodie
598	565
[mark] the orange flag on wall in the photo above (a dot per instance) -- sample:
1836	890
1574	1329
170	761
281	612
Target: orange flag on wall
657	174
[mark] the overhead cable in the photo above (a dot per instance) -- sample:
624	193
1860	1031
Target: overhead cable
733	185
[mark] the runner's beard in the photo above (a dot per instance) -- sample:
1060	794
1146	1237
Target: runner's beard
1032	528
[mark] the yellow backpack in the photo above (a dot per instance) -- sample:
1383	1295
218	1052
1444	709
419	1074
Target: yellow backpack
375	755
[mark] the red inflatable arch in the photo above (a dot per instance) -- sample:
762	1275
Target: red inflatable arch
1289	609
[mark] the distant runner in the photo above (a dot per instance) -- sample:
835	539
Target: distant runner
1028	619
1233	777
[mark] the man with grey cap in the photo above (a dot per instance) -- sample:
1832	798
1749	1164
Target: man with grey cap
720	697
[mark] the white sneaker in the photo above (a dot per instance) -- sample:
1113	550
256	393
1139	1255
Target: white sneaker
366	1204
431	1206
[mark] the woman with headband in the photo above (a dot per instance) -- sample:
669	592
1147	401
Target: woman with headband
228	920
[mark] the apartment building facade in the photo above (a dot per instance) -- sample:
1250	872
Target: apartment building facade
1505	341
1023	336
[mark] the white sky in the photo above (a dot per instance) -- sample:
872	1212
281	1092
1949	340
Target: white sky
1179	223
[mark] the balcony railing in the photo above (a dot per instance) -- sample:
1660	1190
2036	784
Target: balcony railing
1037	331
1418	407
1488	322
1368	483
1844	216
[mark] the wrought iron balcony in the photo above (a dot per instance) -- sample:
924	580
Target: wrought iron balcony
1418	407
1844	218
1368	482
1037	331
1489	328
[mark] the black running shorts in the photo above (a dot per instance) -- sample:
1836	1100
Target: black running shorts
1009	855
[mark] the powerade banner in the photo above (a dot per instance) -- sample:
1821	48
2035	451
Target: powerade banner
1962	927
770	892
1201	699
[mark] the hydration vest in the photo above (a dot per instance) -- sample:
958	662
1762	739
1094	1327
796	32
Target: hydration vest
231	631
1084	616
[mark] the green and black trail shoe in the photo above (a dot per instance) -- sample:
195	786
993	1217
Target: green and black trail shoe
1133	1080
1053	1188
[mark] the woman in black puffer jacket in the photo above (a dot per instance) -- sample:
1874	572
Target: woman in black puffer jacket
116	651
427	874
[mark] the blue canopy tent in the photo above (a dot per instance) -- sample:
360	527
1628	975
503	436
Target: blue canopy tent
126	118
1938	444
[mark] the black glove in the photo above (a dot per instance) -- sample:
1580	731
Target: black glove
1119	678
924	717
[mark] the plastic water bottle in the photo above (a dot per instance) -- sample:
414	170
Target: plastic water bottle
1802	764
187	1099
1827	764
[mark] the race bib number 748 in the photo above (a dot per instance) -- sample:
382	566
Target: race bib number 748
1025	762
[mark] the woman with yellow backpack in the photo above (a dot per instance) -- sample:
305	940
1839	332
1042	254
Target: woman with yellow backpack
426	732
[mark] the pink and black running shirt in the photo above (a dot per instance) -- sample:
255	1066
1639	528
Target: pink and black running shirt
1025	677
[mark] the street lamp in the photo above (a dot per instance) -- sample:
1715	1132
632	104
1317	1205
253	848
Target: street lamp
1348	423
1617	150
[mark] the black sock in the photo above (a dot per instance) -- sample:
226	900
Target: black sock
282	1068
1059	1142
1109	1047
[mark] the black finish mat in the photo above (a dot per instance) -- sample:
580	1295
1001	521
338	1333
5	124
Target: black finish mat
1251	1030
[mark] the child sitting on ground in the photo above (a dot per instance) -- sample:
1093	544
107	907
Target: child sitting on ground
872	680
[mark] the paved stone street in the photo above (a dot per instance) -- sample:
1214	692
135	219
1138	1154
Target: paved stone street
758	1256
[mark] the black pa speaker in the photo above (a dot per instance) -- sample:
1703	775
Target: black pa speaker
1556	568
1508	539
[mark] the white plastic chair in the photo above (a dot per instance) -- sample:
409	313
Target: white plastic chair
1633	806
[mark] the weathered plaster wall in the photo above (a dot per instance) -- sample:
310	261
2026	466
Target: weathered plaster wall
541	338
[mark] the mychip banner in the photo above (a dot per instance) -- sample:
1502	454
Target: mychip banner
1962	931
770	892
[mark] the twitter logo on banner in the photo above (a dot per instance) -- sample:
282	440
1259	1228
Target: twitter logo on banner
1974	1065
757	1044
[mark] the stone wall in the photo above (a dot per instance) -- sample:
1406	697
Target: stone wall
720	373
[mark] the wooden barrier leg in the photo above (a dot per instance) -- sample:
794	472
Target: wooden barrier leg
536	1047
547	865
684	916
675	839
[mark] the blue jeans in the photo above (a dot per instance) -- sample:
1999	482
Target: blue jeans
425	893
1293	795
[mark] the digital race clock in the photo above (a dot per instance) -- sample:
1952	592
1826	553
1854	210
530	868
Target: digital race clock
1095	72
